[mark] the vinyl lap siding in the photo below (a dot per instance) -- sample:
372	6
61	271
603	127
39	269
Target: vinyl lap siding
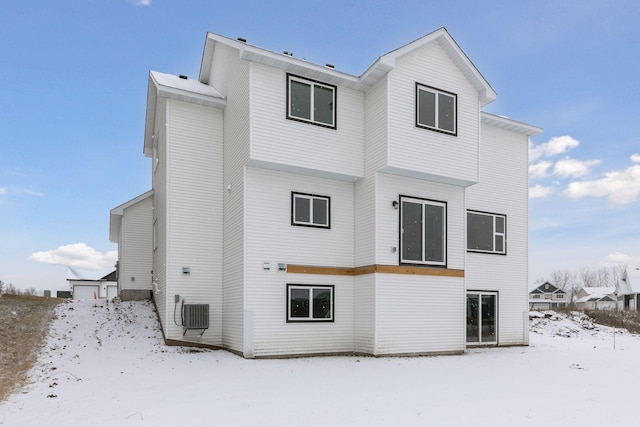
136	249
442	155
271	238
236	88
419	314
159	183
194	213
503	189
389	188
284	142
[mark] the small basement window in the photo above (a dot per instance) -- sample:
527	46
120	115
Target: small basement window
309	303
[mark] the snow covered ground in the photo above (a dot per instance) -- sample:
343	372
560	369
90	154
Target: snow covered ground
105	365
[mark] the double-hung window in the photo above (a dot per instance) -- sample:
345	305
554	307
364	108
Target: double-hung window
486	232
307	303
311	101
310	210
423	231
436	109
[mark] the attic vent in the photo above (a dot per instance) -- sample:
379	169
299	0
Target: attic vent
288	53
195	316
182	76
330	66
243	40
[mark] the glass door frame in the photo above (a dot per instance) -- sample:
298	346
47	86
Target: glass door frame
480	294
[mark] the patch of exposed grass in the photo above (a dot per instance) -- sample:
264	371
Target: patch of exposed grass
629	320
24	322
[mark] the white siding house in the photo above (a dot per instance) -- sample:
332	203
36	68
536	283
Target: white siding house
300	210
132	228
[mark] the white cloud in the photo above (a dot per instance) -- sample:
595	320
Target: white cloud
573	168
618	258
3	191
553	147
77	255
539	170
143	3
621	187
539	191
33	193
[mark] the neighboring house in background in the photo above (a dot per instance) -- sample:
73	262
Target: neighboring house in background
547	297
298	210
131	226
83	288
596	298
629	289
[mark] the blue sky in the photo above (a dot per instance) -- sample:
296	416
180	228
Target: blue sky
74	81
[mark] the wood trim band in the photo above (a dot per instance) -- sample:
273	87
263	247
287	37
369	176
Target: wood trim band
375	268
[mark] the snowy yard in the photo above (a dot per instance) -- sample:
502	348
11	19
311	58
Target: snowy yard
105	365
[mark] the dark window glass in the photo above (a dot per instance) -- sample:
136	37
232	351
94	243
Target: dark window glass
320	211
499	224
446	112
300	100
499	243
323	105
434	233
321	303
473	330
411	231
488	318
299	300
302	207
427	108
479	232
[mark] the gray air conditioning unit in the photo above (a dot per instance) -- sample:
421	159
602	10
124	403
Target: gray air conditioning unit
195	316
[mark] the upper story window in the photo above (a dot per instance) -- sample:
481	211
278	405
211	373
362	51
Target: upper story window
559	296
423	231
311	101
436	109
310	210
536	296
486	232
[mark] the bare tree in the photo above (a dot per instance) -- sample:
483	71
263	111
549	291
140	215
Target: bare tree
10	289
30	291
1	286
567	281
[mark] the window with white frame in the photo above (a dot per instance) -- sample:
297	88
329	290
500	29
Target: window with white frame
536	296
311	101
309	303
486	232
436	109
310	210
423	231
559	296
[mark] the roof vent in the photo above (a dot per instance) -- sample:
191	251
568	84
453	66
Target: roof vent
183	77
330	66
243	40
288	53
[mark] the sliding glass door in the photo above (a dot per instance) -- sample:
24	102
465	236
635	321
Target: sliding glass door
482	318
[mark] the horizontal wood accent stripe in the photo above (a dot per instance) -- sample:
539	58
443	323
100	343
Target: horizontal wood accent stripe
375	268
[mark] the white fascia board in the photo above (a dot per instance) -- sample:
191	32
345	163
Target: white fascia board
174	87
115	215
509	124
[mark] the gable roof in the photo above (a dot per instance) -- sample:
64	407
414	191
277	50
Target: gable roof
115	215
168	86
378	69
630	281
547	288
